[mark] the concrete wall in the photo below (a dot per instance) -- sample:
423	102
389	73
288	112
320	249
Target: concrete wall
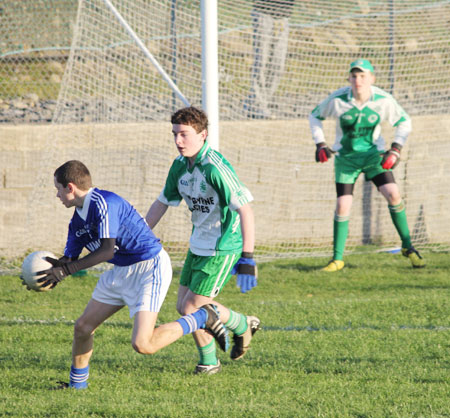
294	196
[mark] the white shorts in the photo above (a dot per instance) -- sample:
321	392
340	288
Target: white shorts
142	286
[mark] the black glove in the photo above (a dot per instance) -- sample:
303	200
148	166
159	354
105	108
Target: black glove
392	157
24	283
54	275
323	153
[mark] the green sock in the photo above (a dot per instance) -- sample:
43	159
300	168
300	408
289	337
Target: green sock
398	215
237	323
208	354
340	232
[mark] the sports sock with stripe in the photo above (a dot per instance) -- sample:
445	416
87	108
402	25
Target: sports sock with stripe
237	323
340	233
208	354
79	377
398	215
193	321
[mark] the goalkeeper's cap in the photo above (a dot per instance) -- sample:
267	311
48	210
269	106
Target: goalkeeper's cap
362	64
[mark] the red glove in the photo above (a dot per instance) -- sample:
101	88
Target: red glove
392	157
323	153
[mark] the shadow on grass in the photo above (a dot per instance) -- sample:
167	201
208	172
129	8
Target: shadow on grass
310	267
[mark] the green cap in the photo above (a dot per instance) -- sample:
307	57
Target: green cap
361	64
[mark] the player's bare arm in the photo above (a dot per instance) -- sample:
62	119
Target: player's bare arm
155	213
323	152
247	228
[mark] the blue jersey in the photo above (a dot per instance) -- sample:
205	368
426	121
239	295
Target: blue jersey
107	215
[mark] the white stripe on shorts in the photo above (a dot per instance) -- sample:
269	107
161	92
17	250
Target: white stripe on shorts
223	274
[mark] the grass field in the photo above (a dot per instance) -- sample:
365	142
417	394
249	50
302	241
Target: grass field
370	341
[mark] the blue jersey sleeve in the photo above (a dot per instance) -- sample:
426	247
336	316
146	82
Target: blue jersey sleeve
106	215
73	245
110	216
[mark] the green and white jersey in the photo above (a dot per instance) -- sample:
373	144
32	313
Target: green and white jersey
358	128
212	192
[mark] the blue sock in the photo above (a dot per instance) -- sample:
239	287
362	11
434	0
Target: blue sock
79	377
193	322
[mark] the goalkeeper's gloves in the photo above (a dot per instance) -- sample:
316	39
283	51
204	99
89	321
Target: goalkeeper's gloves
54	275
246	271
323	153
392	157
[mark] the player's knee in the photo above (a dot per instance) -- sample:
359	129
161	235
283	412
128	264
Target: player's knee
143	347
180	309
186	308
343	210
82	329
393	197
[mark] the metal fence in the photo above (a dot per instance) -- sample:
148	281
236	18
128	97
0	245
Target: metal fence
35	39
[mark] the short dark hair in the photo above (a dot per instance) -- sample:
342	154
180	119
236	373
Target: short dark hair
75	172
191	116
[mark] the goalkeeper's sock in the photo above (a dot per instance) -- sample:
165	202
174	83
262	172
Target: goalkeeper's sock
79	377
398	215
208	354
237	323
192	322
340	233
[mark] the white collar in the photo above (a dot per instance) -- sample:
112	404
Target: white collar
353	100
83	212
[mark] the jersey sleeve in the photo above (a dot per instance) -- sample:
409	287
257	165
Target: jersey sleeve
231	191
323	110
402	131
316	126
401	121
326	108
170	195
106	214
73	246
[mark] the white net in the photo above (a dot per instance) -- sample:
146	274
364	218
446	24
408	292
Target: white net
275	66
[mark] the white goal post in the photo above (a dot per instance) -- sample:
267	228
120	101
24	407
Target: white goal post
210	78
114	111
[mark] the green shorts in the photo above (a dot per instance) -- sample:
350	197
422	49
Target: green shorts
348	167
207	276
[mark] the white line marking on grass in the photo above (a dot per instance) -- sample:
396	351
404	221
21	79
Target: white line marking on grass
297	328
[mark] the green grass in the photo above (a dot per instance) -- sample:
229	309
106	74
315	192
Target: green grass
372	340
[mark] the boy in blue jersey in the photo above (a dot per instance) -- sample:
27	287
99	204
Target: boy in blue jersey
359	110
223	234
113	231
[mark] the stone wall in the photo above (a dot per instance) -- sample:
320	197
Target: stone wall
294	196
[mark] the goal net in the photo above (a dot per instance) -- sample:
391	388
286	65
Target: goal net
275	66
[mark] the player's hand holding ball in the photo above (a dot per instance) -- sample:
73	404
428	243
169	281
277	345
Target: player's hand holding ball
33	268
24	283
392	157
55	274
323	153
246	272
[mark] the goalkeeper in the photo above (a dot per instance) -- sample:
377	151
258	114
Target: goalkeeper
359	110
223	233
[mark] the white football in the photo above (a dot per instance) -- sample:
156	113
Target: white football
33	263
